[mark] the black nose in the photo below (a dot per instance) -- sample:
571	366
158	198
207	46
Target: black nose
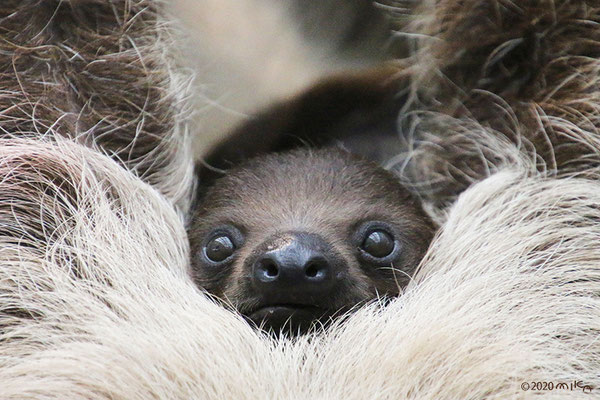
296	268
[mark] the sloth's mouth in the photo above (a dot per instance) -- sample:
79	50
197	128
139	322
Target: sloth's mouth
288	318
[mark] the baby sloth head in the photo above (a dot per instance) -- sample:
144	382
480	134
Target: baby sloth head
299	237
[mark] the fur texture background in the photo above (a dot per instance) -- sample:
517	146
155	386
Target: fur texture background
103	74
95	297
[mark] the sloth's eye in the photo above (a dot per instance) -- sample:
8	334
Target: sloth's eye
219	248
378	243
221	244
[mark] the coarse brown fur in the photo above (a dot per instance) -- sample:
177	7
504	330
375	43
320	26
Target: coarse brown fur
88	70
525	72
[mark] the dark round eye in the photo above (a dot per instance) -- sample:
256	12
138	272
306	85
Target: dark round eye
219	248
378	243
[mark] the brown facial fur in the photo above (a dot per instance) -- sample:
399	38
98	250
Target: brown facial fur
326	191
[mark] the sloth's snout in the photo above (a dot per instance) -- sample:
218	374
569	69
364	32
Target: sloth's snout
296	268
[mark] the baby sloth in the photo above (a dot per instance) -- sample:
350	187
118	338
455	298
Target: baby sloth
292	236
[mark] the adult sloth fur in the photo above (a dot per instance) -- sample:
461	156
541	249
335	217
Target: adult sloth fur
95	297
100	73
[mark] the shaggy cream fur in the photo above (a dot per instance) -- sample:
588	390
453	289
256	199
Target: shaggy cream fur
507	294
95	297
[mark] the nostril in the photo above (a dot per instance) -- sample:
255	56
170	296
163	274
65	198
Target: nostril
266	270
312	271
270	268
316	269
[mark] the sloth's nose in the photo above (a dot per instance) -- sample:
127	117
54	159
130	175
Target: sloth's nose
297	268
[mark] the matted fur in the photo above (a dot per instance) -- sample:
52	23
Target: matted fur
95	297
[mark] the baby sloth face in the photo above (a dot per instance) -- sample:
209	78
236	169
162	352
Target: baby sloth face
299	237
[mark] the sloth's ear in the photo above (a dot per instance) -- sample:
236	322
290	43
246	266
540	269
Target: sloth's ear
350	109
